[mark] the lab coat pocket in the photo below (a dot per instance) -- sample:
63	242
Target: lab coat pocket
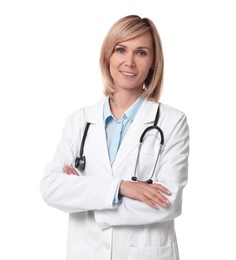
152	253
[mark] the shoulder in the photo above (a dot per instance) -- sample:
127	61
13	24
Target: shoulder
87	113
170	118
174	121
171	112
167	112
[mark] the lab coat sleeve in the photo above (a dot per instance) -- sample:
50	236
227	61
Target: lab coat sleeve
172	173
71	193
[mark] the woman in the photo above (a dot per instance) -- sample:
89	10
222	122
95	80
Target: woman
112	216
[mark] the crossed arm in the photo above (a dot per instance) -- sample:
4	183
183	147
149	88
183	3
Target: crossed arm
153	195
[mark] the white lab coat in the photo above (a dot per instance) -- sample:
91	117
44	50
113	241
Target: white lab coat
98	230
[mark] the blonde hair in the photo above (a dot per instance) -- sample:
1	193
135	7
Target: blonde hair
125	29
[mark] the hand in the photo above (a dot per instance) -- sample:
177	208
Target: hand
70	170
151	194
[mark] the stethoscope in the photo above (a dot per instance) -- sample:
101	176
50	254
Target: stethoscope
80	161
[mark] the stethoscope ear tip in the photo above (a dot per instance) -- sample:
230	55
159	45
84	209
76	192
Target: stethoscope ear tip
134	178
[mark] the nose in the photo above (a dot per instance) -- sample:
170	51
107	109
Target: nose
130	62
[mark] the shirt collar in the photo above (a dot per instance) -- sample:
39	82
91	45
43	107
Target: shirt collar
129	113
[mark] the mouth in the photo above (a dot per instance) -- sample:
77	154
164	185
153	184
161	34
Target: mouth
128	74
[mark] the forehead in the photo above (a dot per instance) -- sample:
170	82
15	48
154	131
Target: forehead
144	40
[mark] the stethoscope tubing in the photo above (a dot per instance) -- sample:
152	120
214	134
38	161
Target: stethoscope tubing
149	180
150	128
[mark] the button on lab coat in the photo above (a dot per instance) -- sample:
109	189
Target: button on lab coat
132	230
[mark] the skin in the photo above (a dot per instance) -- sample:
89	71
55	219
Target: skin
129	67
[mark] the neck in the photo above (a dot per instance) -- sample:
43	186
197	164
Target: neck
120	102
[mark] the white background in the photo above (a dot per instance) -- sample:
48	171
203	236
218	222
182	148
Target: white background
49	53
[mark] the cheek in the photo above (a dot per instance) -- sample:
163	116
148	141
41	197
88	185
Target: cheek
112	70
145	67
115	60
113	65
145	73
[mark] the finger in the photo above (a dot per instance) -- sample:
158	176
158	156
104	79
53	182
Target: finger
165	202
156	195
66	170
69	170
161	188
157	198
151	203
74	171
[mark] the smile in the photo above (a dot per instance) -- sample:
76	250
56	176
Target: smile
129	74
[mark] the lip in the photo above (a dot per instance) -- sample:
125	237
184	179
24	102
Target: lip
128	74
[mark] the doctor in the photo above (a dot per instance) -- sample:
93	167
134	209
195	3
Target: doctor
112	217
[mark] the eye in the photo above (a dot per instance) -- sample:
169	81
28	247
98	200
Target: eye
120	50
141	53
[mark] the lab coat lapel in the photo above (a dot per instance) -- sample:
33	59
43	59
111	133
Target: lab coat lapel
98	137
144	117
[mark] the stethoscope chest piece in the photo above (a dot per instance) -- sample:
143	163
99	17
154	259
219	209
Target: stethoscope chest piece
80	163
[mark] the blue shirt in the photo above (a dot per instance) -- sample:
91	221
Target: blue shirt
116	130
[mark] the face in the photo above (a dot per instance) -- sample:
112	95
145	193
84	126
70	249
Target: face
131	61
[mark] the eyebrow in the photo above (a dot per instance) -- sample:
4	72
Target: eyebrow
140	47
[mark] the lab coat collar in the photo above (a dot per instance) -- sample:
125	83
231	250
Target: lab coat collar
146	113
128	114
94	113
